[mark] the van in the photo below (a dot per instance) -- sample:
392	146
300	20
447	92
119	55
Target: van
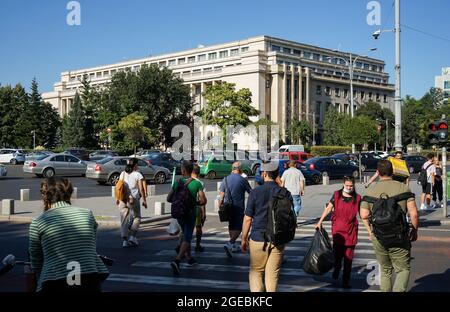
291	148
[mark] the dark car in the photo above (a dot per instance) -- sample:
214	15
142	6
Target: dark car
334	167
312	176
164	160
414	162
369	161
352	158
100	154
81	153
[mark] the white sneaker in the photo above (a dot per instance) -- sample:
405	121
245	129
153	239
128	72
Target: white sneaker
133	241
125	244
422	207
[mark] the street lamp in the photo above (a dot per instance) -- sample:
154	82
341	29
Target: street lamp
398	99
351	66
34	138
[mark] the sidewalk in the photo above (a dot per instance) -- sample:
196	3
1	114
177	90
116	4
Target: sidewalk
106	212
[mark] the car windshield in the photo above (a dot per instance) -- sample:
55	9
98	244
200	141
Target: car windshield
40	157
154	156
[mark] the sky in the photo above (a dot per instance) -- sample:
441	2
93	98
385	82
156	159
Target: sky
36	41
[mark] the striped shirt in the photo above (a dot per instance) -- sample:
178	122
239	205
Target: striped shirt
59	236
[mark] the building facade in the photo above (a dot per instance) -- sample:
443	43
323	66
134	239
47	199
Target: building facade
443	82
287	80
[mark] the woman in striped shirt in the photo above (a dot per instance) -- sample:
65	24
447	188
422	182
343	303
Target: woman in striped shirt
63	241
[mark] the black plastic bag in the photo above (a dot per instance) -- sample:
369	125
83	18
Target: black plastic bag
320	257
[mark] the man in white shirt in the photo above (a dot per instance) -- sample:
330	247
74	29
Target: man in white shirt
428	188
294	181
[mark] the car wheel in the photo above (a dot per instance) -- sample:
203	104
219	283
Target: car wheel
49	172
315	179
355	174
13	161
101	182
411	169
211	175
160	178
255	169
113	179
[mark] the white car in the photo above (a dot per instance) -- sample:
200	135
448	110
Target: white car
3	171
12	156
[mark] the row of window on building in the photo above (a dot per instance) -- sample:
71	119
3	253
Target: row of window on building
344	93
172	62
339	74
325	58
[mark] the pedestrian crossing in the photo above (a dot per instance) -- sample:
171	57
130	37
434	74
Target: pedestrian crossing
216	272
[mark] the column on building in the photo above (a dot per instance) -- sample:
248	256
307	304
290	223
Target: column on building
274	104
308	103
292	93
283	103
300	93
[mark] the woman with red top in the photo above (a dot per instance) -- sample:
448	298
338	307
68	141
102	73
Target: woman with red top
344	227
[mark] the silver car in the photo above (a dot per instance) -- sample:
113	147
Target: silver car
3	171
58	164
108	170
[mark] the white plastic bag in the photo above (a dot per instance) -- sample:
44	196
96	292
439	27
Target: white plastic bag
173	228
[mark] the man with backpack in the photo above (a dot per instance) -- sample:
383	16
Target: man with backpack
426	180
383	211
270	215
183	196
232	190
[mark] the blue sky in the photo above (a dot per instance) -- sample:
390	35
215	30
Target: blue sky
37	42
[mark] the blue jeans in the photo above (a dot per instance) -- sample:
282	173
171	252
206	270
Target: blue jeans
297	203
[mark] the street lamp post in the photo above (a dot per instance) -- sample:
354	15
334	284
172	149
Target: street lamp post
34	139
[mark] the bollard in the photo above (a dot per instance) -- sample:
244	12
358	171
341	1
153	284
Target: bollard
159	208
24	195
7	207
75	193
151	190
326	180
113	191
218	186
252	184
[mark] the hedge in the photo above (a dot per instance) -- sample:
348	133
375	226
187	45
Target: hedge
329	150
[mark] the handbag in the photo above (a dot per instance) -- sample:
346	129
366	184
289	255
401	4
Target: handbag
226	207
174	228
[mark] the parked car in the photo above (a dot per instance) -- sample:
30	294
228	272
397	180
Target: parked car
164	160
214	166
414	162
12	156
37	154
369	161
80	153
301	156
108	170
291	148
312	176
58	164
3	171
100	154
334	167
352	158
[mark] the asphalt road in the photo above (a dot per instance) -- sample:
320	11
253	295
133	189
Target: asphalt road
16	179
146	268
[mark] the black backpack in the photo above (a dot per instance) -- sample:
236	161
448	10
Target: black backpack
281	219
182	205
388	220
423	177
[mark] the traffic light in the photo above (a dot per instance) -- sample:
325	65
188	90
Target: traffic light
438	132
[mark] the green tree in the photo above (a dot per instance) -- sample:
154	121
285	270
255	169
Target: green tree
299	132
135	132
13	102
227	107
90	99
359	130
333	124
73	125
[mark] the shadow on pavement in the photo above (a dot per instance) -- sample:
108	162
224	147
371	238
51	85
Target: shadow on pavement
433	282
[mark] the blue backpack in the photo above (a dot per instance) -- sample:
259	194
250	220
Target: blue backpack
182	204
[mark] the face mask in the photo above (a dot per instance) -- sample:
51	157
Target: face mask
348	191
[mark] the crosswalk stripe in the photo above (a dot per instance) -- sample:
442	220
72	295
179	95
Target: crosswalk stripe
208	254
306	242
220	284
225	236
291	246
231	268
